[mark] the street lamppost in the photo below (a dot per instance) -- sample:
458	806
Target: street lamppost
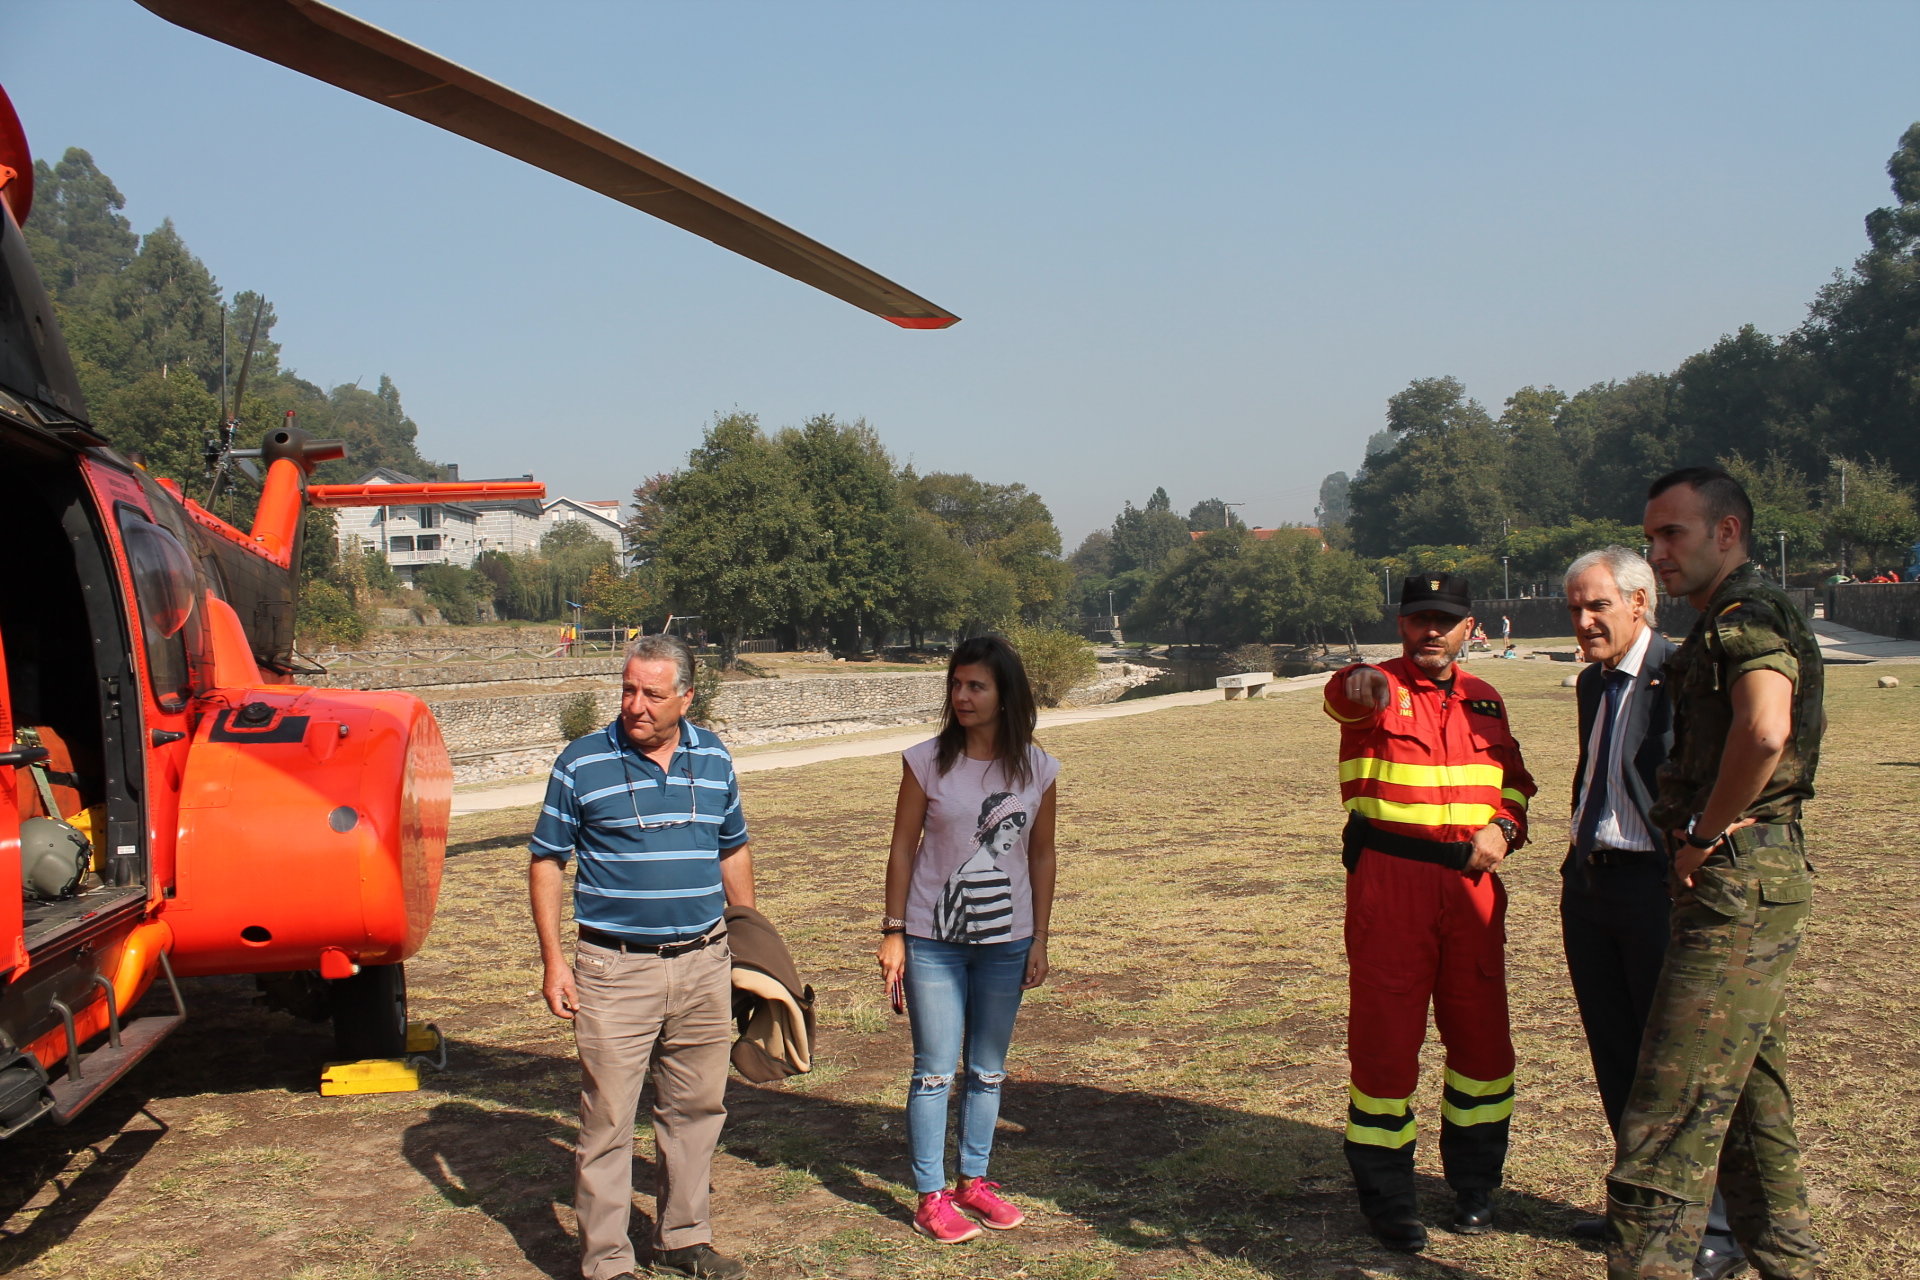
1506	590
1386	577
1782	535
1226	512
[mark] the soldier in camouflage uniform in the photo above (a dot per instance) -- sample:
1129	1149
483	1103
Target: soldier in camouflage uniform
1711	1091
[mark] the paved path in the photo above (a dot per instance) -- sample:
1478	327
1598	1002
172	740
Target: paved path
1846	644
1836	642
514	795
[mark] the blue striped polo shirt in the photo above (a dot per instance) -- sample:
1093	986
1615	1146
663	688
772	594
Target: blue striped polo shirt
649	839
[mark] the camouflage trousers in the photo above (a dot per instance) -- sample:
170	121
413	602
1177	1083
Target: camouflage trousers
1711	1089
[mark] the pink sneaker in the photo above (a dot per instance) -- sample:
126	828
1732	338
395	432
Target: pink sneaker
937	1219
977	1198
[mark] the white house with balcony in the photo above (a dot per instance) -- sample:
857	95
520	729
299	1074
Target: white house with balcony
456	533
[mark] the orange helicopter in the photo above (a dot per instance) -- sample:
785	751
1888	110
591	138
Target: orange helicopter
173	801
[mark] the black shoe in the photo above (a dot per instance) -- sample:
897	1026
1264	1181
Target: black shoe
1401	1232
1591	1230
699	1261
1473	1213
1712	1264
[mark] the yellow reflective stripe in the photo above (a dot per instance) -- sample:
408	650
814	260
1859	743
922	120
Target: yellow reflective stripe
1422	815
1486	1113
1378	1106
1422	775
1510	794
1478	1088
1369	1136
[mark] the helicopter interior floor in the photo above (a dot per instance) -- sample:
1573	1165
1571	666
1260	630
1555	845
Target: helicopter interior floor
92	907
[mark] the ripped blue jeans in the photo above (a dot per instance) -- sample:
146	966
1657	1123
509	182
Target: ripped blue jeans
961	999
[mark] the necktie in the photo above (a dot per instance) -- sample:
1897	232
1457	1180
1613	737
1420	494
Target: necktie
1594	804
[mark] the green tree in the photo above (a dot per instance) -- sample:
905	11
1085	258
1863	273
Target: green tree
1198	593
1782	503
737	542
1541	479
936	580
1211	513
77	235
1872	516
1335	507
1863	331
1441	481
622	599
849	482
1010	533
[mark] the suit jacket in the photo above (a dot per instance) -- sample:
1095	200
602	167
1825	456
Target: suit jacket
1648	731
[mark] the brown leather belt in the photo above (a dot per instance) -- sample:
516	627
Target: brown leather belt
665	950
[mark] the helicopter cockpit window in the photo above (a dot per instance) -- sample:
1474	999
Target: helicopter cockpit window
164	582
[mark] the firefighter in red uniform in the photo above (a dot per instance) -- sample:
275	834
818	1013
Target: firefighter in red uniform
1436	795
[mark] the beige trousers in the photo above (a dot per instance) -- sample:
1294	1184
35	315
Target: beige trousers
638	1013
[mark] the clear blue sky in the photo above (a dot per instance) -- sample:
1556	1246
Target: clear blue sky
1195	245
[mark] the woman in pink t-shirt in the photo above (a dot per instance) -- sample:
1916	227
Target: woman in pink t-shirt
969	896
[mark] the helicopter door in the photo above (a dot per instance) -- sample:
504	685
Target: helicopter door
67	679
13	947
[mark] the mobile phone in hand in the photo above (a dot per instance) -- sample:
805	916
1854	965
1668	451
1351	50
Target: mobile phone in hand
897	995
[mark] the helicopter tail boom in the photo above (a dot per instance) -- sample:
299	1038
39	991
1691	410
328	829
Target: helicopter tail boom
420	495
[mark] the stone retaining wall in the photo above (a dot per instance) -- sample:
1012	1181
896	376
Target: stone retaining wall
1882	608
433	675
515	733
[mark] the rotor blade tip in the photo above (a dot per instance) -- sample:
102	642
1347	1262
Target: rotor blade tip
923	322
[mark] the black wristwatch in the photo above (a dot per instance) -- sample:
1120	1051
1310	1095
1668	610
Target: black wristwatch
1696	842
1510	829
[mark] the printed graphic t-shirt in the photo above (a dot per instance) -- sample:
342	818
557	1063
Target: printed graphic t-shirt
970	880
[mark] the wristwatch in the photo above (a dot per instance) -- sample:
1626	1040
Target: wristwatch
1510	829
1696	842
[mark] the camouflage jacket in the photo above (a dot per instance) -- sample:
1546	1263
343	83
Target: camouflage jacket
1748	625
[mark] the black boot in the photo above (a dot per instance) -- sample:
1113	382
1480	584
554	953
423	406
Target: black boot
1384	1179
1472	1212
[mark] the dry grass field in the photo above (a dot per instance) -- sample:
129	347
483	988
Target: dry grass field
1178	1089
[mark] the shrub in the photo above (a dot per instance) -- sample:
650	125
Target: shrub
579	716
1057	662
326	616
1249	657
706	687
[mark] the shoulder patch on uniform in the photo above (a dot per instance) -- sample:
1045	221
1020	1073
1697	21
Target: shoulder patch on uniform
1487	707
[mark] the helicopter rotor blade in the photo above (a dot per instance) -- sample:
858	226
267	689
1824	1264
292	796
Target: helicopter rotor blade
246	357
320	41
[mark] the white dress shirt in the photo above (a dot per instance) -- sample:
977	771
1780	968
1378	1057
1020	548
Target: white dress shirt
1621	825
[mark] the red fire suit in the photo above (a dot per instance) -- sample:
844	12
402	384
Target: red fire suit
1418	778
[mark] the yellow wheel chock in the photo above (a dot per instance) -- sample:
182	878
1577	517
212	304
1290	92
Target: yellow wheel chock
388	1075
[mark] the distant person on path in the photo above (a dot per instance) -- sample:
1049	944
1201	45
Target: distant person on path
650	807
969	897
1506	627
1436	795
1613	885
1712	1075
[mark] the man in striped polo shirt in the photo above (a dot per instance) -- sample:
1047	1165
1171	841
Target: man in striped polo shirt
650	807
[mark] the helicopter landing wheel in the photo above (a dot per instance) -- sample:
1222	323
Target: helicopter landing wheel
370	1013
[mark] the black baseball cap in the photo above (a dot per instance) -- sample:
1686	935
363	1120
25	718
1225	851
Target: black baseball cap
1446	593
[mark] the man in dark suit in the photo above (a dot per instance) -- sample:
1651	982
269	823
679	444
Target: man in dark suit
1613	901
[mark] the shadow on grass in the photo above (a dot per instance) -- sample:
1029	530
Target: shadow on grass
1148	1172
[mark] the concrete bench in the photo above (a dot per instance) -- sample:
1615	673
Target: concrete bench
1247	684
